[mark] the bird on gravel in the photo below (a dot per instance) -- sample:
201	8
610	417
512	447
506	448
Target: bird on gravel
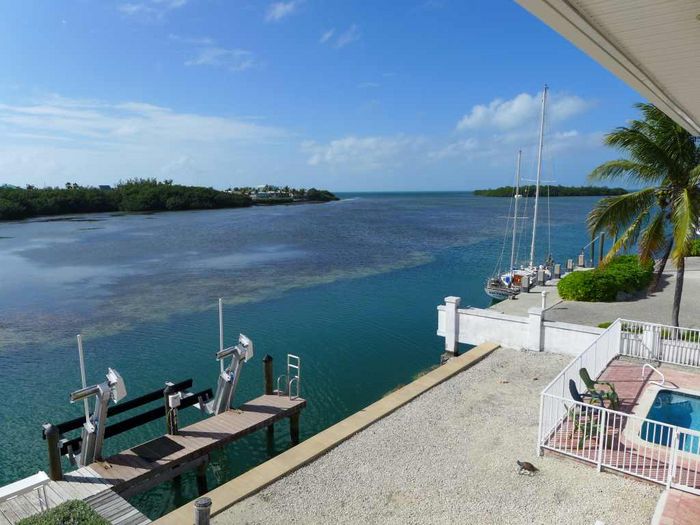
524	466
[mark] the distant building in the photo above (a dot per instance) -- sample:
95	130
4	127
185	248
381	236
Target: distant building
105	187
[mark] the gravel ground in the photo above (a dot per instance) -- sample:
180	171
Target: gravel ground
449	457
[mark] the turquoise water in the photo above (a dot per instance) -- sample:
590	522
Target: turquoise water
351	286
677	409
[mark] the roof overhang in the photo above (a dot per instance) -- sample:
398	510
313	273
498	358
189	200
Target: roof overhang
652	45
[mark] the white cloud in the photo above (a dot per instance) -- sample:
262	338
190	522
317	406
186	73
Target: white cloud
361	153
521	111
279	10
338	40
231	59
54	139
461	148
195	41
350	35
150	9
125	123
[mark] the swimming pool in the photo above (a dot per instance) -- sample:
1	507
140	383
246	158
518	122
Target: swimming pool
678	409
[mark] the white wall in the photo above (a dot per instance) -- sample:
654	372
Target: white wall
568	338
475	326
478	326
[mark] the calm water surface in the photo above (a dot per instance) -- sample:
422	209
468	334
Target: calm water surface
350	286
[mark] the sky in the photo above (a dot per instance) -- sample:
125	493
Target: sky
345	95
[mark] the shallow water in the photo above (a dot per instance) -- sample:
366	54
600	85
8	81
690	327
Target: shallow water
350	286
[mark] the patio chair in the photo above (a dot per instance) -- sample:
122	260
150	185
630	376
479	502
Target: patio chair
585	397
610	395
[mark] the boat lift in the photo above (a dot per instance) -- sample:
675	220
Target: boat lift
93	434
228	375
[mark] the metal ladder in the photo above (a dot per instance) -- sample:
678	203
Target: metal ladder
291	379
663	379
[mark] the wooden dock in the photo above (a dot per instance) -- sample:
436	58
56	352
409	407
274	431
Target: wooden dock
104	485
149	464
82	484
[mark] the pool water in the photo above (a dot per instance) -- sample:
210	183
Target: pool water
678	409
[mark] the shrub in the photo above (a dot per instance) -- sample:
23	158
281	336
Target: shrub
71	512
695	248
592	285
630	274
623	274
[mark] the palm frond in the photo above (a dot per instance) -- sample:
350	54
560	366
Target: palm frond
653	237
615	213
623	168
627	238
686	210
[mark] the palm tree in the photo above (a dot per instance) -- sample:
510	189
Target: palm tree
665	159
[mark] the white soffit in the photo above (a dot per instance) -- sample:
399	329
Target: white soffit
652	45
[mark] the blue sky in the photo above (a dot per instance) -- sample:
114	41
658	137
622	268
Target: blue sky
391	95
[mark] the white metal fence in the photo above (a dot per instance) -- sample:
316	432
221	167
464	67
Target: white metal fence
667	344
624	442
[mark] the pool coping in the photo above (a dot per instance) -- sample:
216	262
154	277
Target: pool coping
256	479
632	430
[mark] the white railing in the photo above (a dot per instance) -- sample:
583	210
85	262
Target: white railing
663	343
594	359
644	448
637	446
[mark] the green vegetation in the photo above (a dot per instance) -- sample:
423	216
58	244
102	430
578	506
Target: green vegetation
661	218
269	194
695	248
141	195
72	512
625	273
136	195
553	191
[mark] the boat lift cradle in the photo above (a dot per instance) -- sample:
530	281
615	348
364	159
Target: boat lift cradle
228	375
93	433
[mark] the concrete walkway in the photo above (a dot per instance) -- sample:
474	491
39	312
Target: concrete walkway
449	457
655	308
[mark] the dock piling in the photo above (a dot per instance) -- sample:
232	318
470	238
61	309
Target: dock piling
52	436
268	376
294	428
581	260
557	271
202	478
569	265
170	412
202	511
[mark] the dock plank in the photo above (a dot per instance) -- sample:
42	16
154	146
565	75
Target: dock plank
156	457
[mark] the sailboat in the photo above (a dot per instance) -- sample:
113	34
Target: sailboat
509	284
504	286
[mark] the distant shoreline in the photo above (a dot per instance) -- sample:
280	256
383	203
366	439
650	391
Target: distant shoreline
553	191
140	196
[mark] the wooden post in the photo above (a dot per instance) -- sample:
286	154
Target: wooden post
52	435
557	271
602	248
294	428
268	375
202	478
202	511
170	413
581	260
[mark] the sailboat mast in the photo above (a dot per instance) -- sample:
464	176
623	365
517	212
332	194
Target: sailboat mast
515	213
539	178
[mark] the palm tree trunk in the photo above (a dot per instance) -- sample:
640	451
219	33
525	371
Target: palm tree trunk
680	270
662	267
